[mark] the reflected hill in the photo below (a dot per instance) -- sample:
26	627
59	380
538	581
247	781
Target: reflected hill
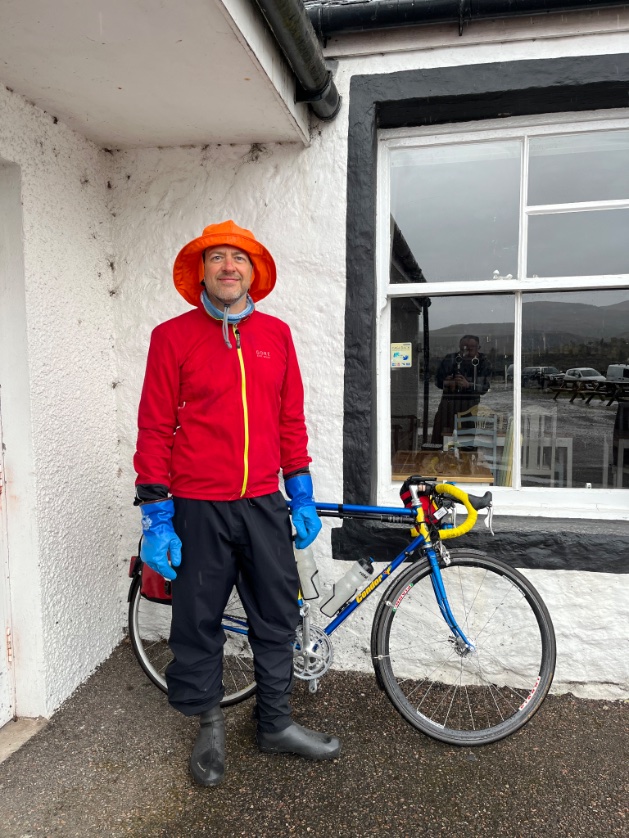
547	326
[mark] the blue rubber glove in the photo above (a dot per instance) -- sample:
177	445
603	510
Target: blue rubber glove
305	519
159	538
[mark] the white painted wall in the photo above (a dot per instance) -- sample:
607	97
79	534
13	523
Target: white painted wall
293	199
59	424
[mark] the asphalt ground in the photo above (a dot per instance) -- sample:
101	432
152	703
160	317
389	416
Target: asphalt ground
113	762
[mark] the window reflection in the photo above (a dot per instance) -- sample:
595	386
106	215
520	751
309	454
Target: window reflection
455	216
458	206
575	389
463	377
451	402
579	167
579	243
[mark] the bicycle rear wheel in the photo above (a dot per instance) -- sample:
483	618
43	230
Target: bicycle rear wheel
452	694
149	627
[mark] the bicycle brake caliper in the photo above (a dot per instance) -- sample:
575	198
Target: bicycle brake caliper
444	554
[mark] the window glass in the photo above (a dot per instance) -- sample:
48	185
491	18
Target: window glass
579	167
451	398
579	243
456	216
457	208
575	395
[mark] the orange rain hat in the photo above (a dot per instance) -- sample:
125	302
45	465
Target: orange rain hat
188	270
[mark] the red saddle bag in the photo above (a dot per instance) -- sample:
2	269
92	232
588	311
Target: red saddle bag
152	586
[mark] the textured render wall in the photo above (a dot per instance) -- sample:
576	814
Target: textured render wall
294	200
67	250
164	198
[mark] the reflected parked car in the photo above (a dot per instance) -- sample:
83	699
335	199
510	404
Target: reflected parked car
538	375
618	372
587	374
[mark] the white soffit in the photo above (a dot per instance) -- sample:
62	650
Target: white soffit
128	73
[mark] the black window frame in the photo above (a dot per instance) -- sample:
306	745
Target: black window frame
431	97
437	96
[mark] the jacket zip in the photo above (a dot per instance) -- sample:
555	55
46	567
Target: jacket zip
245	411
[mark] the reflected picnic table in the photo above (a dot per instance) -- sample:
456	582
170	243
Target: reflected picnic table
605	391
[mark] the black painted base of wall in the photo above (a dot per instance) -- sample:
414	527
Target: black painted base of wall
539	543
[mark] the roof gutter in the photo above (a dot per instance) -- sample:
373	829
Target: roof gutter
334	18
288	21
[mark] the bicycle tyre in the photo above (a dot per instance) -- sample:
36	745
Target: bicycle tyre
460	698
149	627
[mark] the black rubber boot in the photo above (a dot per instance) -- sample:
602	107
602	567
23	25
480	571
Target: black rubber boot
298	740
207	761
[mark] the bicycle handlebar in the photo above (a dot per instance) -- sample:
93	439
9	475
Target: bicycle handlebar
396	515
470	502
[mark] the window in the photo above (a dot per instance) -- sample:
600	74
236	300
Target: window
503	334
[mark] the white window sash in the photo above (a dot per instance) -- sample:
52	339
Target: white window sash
515	500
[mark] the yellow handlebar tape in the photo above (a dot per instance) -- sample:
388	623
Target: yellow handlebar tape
472	514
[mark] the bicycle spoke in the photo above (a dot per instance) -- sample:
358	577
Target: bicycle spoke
149	627
451	691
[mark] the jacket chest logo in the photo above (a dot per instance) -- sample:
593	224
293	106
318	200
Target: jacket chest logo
263	353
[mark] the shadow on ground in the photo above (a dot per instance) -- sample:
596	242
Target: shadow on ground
113	762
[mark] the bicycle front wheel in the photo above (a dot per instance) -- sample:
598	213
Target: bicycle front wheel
454	694
149	627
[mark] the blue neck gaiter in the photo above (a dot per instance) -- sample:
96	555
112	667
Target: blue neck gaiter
224	315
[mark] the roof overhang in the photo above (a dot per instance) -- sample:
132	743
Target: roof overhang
130	73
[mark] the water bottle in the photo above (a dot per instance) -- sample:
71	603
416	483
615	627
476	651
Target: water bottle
308	573
347	586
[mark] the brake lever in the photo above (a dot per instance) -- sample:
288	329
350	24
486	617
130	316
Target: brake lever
489	519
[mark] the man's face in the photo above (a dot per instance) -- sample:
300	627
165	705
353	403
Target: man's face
468	347
228	275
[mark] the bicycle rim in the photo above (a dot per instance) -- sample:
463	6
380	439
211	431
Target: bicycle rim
457	696
149	627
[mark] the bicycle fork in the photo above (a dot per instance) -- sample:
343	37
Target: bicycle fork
462	644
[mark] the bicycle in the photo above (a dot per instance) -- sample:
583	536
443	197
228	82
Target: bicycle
461	643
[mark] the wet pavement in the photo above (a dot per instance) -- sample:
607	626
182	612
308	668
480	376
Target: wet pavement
113	762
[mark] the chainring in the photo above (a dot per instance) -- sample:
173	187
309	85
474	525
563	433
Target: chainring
315	660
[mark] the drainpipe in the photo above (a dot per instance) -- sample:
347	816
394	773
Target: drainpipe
332	18
295	36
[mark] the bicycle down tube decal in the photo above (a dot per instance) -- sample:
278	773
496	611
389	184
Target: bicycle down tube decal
372	585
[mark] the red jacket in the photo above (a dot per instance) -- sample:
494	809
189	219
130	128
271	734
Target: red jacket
218	423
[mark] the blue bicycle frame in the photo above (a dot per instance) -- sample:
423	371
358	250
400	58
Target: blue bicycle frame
392	515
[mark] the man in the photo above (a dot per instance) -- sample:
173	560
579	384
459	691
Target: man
221	412
464	377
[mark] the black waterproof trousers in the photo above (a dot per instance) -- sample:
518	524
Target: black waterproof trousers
247	543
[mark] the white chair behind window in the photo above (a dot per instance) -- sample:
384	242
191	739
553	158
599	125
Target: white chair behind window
546	458
477	429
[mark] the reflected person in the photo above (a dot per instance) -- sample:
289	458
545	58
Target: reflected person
464	377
